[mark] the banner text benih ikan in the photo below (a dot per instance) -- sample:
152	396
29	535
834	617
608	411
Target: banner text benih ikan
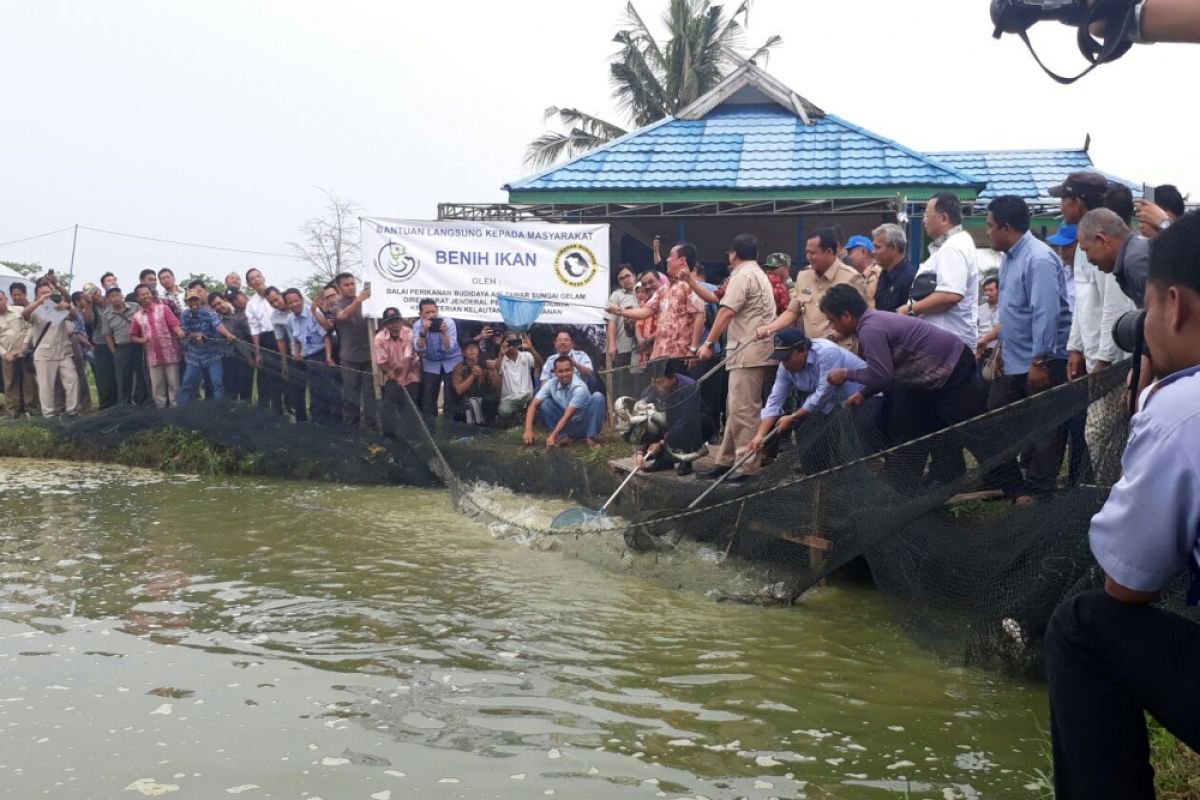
464	265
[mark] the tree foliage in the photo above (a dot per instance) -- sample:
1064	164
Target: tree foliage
653	79
33	270
210	283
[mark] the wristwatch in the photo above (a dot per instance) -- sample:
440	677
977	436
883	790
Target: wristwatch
1040	362
912	307
1166	223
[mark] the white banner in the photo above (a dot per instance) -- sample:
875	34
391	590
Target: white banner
463	266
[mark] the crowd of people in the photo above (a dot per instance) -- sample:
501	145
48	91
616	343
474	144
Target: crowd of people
922	345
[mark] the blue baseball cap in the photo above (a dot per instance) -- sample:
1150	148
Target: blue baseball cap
1067	234
786	341
860	241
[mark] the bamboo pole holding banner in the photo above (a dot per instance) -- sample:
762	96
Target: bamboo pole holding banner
376	375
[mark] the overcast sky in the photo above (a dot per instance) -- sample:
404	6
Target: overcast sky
213	121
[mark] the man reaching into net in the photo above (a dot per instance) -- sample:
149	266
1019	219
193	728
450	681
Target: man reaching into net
676	395
804	370
1111	655
930	371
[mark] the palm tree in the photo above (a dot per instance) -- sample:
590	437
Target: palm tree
652	80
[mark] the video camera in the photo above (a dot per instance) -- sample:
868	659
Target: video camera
1119	17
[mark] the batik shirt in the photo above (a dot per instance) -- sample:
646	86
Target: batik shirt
205	321
159	324
676	307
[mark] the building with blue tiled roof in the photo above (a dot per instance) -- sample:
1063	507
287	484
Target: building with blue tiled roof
753	156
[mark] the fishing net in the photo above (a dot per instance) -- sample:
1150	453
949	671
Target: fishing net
976	579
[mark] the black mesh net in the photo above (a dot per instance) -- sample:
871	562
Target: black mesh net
976	579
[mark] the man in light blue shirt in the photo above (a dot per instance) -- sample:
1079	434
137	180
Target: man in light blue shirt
1112	656
564	345
1035	321
435	340
566	407
804	371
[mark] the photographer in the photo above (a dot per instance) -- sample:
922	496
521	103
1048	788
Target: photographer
476	387
437	344
515	368
53	321
1111	655
354	340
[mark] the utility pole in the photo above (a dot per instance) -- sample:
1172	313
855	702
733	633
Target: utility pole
71	270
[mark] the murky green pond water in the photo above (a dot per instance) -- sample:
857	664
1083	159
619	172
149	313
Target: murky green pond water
187	637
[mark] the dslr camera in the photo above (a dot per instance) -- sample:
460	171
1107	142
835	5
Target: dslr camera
1119	17
1129	332
434	325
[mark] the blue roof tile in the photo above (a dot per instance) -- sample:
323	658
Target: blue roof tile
1026	173
744	147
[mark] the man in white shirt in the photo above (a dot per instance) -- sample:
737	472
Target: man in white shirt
953	305
1099	301
262	331
517	362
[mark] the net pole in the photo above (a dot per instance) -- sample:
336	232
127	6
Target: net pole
376	375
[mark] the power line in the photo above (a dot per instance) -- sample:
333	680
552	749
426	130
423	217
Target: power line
38	236
188	244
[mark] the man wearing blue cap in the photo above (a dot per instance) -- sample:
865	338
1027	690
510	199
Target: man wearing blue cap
803	370
1065	241
860	254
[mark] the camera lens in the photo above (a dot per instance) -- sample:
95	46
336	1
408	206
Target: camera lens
1130	330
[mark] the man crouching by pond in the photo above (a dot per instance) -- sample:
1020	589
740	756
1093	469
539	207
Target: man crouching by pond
566	407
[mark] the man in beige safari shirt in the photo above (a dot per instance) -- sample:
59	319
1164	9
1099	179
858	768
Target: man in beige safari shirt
749	303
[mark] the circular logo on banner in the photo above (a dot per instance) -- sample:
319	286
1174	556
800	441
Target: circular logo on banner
575	265
395	263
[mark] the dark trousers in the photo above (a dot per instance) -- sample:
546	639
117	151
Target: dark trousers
20	387
323	390
395	404
1107	662
1043	460
714	391
619	383
358	393
431	382
919	412
105	370
239	378
270	376
129	373
295	389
